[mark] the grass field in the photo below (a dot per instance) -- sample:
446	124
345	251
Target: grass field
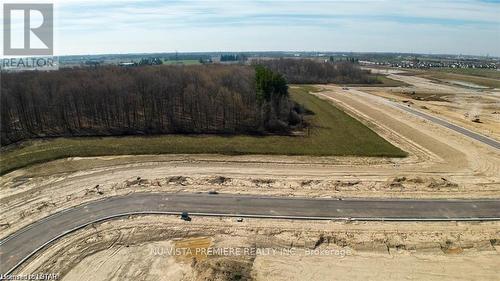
333	132
482	77
183	62
487	73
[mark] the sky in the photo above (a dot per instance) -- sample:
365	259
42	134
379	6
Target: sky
469	27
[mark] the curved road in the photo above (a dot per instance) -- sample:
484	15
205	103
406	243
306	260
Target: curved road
461	130
19	246
488	141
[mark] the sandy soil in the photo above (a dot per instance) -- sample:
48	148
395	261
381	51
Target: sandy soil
442	164
457	101
140	248
379	267
130	263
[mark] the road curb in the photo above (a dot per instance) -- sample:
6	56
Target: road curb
121	215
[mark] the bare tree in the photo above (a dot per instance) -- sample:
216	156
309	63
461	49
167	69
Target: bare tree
141	100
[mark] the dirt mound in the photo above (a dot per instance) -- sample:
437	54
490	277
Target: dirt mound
219	180
224	269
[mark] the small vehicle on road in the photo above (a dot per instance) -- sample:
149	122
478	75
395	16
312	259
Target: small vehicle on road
185	216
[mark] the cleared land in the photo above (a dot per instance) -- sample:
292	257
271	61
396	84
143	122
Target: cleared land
454	102
441	164
183	62
383	80
24	243
332	132
481	77
488	73
138	249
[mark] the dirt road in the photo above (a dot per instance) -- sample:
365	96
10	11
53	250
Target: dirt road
454	101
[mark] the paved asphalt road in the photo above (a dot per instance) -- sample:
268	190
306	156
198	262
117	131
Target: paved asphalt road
21	244
461	130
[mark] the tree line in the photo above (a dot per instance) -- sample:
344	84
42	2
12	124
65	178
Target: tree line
307	71
112	100
232	57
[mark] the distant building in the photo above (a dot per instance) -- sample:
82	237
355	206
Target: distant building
127	64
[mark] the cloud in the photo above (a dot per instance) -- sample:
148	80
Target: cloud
82	24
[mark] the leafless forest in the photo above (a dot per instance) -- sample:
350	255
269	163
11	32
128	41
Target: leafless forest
142	100
306	71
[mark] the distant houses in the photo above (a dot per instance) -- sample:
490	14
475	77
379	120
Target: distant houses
142	61
127	64
424	64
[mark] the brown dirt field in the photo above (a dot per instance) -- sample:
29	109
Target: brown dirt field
138	249
451	102
442	164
